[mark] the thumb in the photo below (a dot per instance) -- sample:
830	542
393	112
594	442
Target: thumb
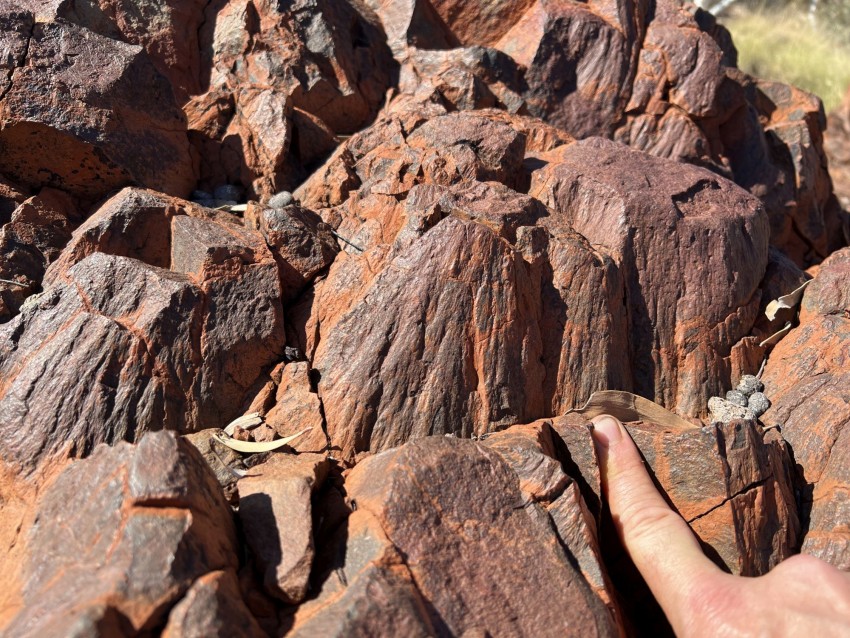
660	543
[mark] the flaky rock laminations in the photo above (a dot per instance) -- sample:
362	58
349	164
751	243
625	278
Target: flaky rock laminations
414	223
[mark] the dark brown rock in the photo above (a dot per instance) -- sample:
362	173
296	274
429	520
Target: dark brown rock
453	510
657	220
732	483
533	453
263	60
38	230
87	114
807	380
148	522
213	607
301	242
117	347
275	510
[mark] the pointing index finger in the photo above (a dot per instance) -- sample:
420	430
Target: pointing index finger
658	540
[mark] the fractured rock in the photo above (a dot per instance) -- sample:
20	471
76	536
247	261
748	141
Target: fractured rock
275	510
87	114
657	220
807	381
117	347
148	521
453	510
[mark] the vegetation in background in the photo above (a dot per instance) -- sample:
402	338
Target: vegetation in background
804	43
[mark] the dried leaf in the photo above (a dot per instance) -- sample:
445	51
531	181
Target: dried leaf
777	336
791	300
630	407
254	447
246	422
233	208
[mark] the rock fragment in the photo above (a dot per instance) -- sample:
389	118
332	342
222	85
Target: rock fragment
758	403
750	384
275	510
724	411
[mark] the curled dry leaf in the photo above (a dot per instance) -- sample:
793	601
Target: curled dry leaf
254	447
631	407
785	301
773	339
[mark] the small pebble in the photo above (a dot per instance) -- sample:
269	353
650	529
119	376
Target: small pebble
724	411
758	403
292	354
737	397
750	383
280	200
229	192
197	196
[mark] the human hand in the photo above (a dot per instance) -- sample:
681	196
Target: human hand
800	594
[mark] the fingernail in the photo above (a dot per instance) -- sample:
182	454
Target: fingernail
606	430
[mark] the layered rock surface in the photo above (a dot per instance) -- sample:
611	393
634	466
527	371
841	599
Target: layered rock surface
495	212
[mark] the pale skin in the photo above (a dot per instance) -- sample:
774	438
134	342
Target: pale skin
802	596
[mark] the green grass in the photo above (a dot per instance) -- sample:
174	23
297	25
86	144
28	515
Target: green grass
783	45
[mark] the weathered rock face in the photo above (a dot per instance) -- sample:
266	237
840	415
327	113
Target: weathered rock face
807	380
87	114
523	202
150	530
117	347
449	561
732	483
276	75
837	146
692	249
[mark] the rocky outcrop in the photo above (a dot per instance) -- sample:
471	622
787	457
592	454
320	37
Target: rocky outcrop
117	347
423	233
807	379
87	114
152	532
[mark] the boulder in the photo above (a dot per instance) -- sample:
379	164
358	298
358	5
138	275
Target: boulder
148	522
807	380
691	247
117	347
442	541
87	114
276	515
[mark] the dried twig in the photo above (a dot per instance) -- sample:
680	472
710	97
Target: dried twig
338	236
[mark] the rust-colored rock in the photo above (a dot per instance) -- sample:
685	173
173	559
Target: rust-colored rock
732	483
116	347
454	511
536	453
276	514
692	249
87	114
212	607
807	381
38	230
301	242
147	522
837	147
